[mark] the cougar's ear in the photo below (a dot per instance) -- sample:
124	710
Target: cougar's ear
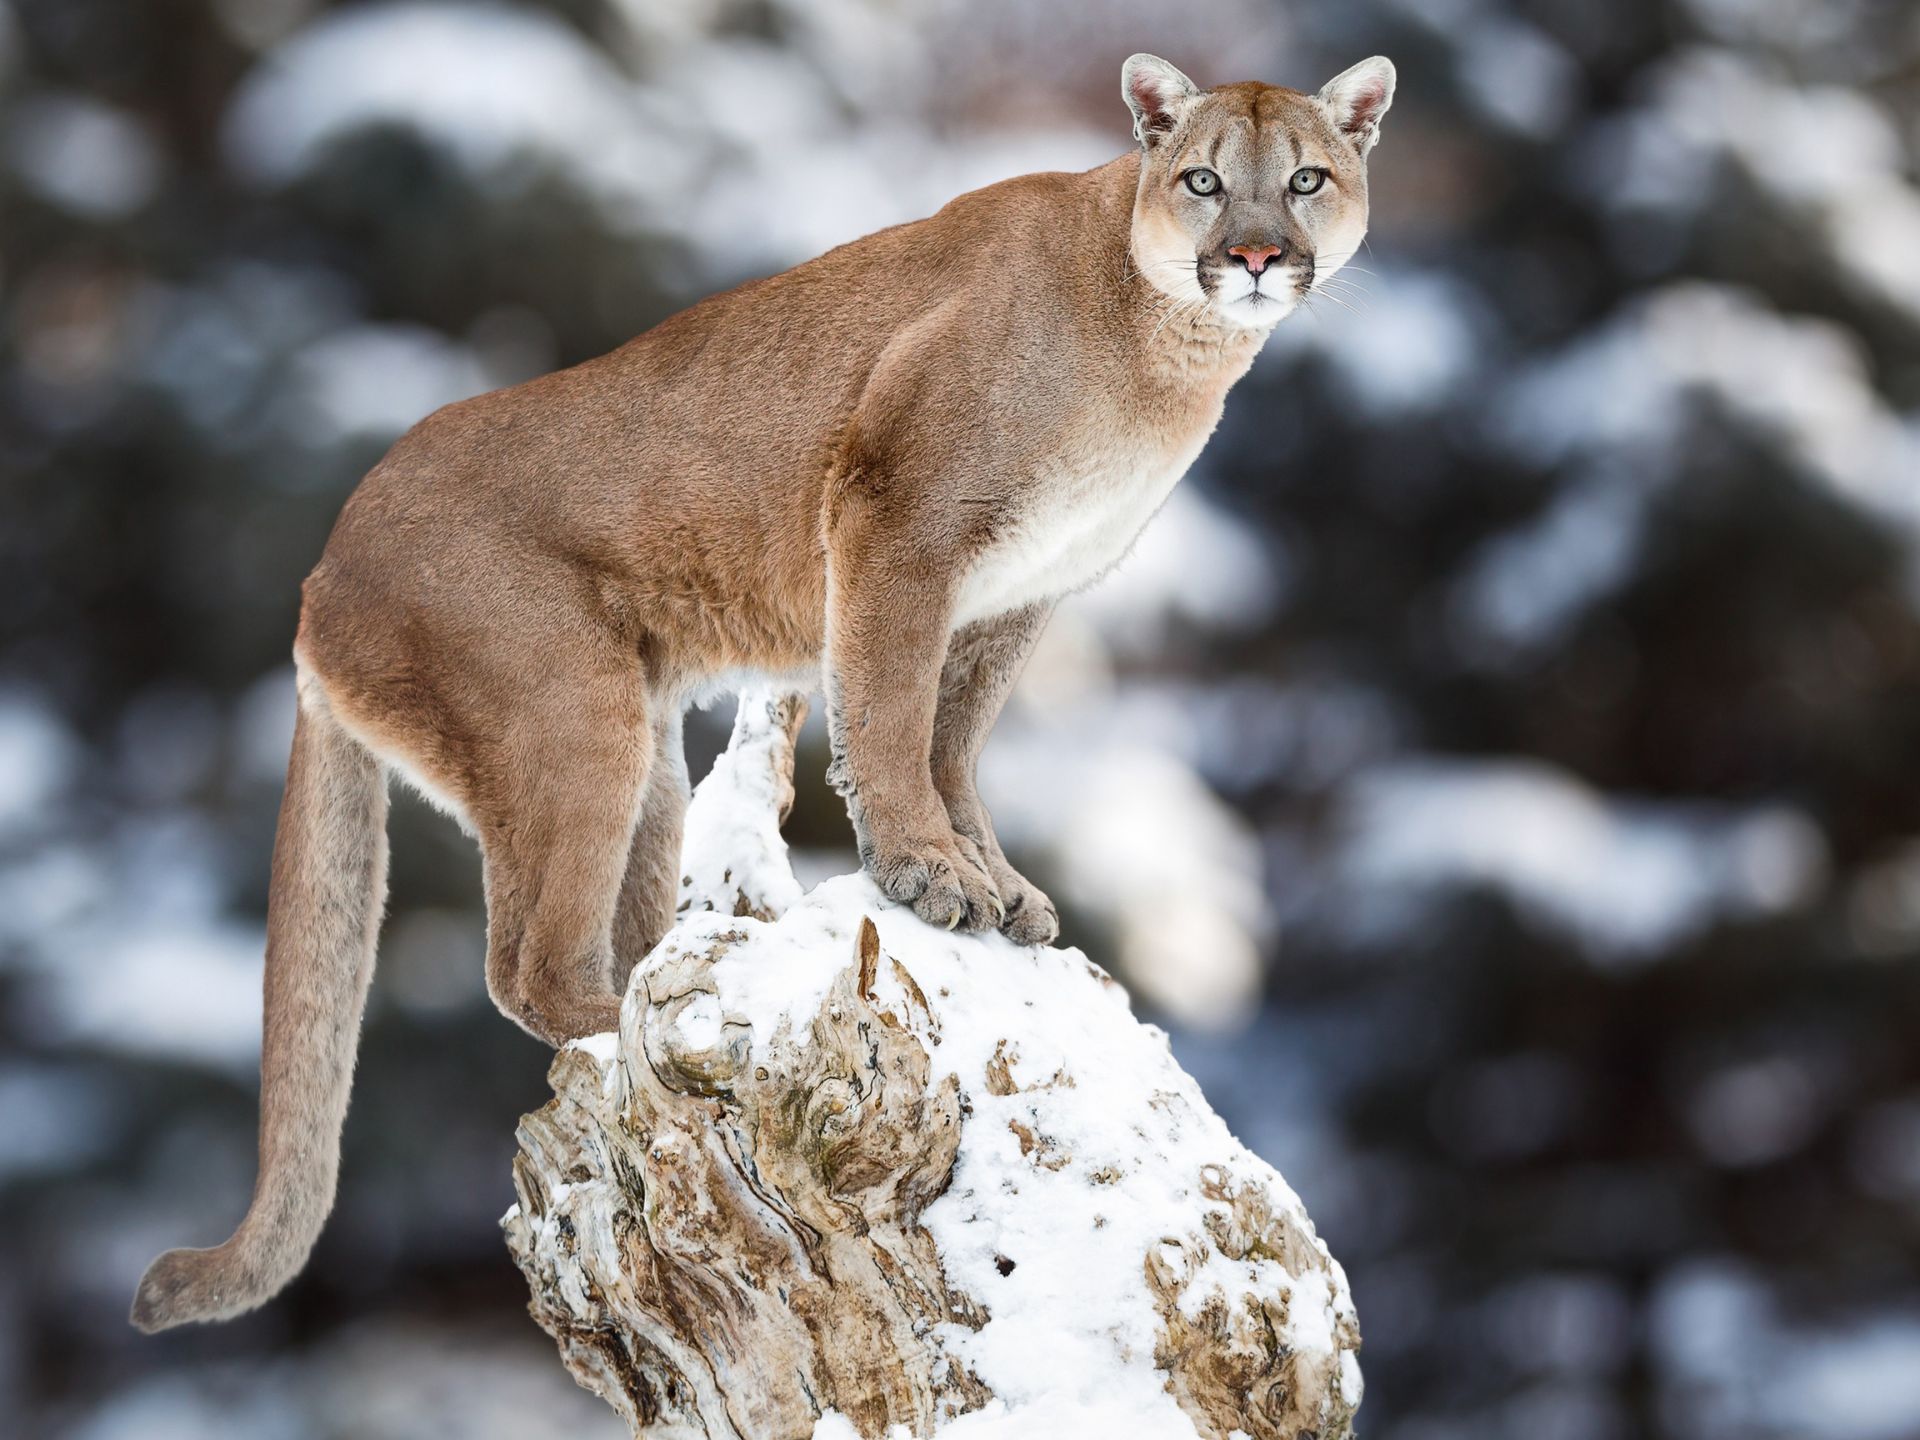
1358	98
1157	94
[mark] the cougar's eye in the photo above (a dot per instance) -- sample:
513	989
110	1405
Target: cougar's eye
1203	182
1307	180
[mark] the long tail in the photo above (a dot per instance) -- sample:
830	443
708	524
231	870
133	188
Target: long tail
323	913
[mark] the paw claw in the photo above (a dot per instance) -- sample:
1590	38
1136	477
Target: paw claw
941	880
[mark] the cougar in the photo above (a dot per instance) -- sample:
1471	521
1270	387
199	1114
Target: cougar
881	469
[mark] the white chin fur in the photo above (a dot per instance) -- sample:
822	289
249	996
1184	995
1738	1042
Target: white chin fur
1256	309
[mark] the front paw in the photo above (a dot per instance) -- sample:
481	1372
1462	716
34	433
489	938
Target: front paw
945	884
1030	918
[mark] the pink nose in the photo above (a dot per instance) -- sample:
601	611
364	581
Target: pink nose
1254	257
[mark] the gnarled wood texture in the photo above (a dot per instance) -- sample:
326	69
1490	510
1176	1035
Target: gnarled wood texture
842	1170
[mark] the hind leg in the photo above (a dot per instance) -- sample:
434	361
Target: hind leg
650	891
556	826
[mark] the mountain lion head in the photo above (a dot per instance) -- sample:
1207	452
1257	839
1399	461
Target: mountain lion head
1250	195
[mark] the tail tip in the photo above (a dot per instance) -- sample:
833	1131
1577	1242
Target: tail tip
175	1291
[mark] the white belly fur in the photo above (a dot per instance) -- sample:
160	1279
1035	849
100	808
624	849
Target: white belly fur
1081	522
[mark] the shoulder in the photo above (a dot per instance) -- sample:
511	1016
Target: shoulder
1096	196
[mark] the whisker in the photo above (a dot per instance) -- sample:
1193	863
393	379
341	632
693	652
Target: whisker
1163	322
1342	287
1319	316
1337	294
1185	306
1168	303
1357	303
1337	288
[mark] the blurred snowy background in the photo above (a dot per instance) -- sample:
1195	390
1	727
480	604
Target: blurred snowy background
1500	766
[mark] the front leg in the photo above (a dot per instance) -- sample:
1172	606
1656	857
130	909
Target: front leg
983	661
889	603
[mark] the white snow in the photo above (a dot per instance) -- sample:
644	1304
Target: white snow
374	381
1862	1382
1829	160
168	972
1397	340
732	844
186	991
1248	731
1732	1353
1613	407
1802	381
1069	1349
1624	879
37	758
603	1048
527	86
1048	1418
1523	587
82	155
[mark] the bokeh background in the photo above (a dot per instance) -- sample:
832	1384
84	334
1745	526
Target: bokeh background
1499	766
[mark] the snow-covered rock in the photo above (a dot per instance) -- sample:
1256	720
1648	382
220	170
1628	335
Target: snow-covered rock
844	1174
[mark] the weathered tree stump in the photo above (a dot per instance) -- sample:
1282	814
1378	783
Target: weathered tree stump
841	1172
